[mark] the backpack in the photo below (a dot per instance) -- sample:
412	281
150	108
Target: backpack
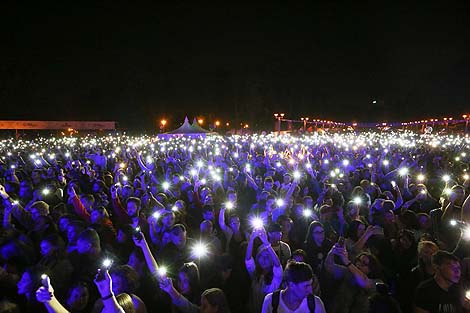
277	295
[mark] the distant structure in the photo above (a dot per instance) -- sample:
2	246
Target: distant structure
47	125
188	130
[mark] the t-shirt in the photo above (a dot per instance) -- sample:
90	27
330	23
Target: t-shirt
432	298
282	308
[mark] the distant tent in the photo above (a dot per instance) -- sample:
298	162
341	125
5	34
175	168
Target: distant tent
187	130
198	128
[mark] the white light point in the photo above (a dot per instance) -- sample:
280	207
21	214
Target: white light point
257	223
161	271
200	250
107	263
307	213
165	185
403	171
296	174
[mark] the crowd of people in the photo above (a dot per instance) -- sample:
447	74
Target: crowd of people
351	222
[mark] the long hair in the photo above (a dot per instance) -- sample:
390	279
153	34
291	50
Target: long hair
375	268
309	237
192	271
353	227
125	301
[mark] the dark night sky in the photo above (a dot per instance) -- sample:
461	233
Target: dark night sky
136	64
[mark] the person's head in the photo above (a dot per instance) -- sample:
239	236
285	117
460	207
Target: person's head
51	244
26	190
178	235
39	208
64	221
232	196
406	239
208	213
315	234
308	202
286	224
421	192
133	207
30	281
88	242
356	229
98	186
263	259
206	228
125	279
77	296
299	278
270	202
125	302
286	179
168	219
268	183
458	192
98	215
188	281
368	264
447	267
74	228
426	249
234	222
88	201
124	234
127	191
299	255
214	301
137	260
274	232
424	221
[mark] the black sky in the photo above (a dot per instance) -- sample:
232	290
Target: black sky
135	64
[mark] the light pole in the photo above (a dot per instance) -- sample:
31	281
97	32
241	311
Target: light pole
466	118
304	119
279	116
162	125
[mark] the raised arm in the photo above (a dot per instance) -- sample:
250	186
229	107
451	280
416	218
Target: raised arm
149	259
180	301
14	208
45	295
78	206
105	287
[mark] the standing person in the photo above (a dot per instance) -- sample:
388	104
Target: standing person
442	293
265	270
297	296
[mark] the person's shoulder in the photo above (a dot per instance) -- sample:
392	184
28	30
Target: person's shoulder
427	284
267	303
268	297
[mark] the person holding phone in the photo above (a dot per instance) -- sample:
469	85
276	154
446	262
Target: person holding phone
354	281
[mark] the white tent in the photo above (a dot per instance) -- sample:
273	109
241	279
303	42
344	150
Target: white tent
187	130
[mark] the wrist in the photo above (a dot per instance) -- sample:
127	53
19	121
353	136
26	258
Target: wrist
111	294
